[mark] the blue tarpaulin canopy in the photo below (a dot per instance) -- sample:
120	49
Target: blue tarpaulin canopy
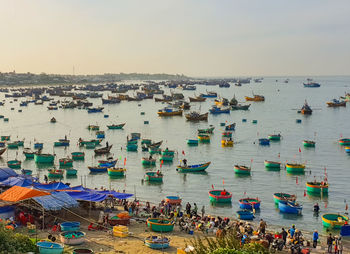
6	173
87	195
17	181
51	186
56	201
117	194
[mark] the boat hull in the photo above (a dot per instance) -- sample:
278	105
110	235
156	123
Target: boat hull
316	188
39	158
295	168
334	221
193	168
113	172
272	164
245	215
286	207
215	196
249	204
160	225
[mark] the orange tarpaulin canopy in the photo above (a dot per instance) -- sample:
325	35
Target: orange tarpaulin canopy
17	193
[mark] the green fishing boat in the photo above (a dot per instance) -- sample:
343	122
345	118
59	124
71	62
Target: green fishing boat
160	225
12	145
29	154
55	173
206	131
334	221
71	172
272	165
66	162
242	170
153	150
132	142
192	142
148	161
193	168
131	148
152	176
78	156
166	158
220	196
5	138
44	158
309	143
14	164
168	152
116	126
317	187
295	168
116	172
280	196
274	137
146	141
90	145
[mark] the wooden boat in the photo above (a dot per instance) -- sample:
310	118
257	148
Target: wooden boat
347	149
274	137
245	215
264	141
160	225
243	170
135	135
153	150
146	141
116	126
62	142
2	143
220	196
309	143
209	95
103	150
66	162
255	98
12	145
38	145
168	152
131	147
272	165
53	120
336	103
240	107
334	221
93	127
46	247
306	109
27	172
217	110
55	173
95	110
72	237
207	131
100	134
5	138
156	145
108	163
169	112
317	187
90	145
344	141
157	242
249	203
148	161
173	200
2	151
295	168
166	158
43	158
227	142
221	102
197	99
15	164
290	207
192	142
116	171
71	172
227	134
194	116
311	84
78	156
280	196
193	168
152	176
230	127
98	169
204	138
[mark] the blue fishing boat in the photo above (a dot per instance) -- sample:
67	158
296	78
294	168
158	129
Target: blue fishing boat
311	84
38	145
98	169
95	110
100	134
109	164
245	215
217	110
249	203
209	95
264	141
192	142
290	207
62	142
157	242
193	168
46	247
230	127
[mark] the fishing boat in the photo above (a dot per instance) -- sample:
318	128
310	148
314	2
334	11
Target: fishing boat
203	138
249	203
53	120
5	138
43	158
100	134
97	169
306	109
46	247
195	116
227	142
295	168
209	95
220	196
154	150
148	161
78	156
92	127
66	162
173	200
168	152
255	98
55	173
217	110
135	135
290	207
315	187
152	176
245	215
27	172
166	158
90	145
240	107
197	99
309	143
12	145
2	143
169	112
221	102
160	225
280	196
227	134
15	164
274	137
334	221
103	150
209	130
156	145
157	242
116	126
95	110
311	84
193	168
344	141
2	151
108	163
192	142
230	127
131	147
116	171
243	170
38	145
272	164
71	172
62	142
347	149
264	141
336	103
146	141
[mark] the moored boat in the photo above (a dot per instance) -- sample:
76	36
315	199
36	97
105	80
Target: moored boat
209	130
274	137
272	164
131	147
197	99
239	169
169	112
334	221
97	169
344	141
227	142
15	164
309	143
2	151
46	247
160	225
220	196
103	150
347	149
43	158
230	127
217	110
71	171
240	107
264	141
280	196
336	103
173	200
204	138
66	162
152	176
249	203
295	168
192	142
193	168
116	171
168	152
55	173
306	109
255	98
78	156
100	134
116	126
245	215
62	142
166	158
157	242
195	116
315	187
290	207
148	161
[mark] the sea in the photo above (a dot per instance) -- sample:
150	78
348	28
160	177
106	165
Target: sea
276	115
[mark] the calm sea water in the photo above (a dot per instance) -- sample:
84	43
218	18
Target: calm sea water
276	115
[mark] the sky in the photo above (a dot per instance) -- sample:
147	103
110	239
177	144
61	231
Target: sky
190	37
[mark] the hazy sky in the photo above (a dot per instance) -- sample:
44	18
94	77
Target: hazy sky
196	38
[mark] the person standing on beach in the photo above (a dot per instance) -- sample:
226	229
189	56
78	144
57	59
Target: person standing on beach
195	209
330	243
292	231
284	236
203	211
340	246
315	238
262	226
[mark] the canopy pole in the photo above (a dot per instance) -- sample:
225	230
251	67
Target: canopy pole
43	218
